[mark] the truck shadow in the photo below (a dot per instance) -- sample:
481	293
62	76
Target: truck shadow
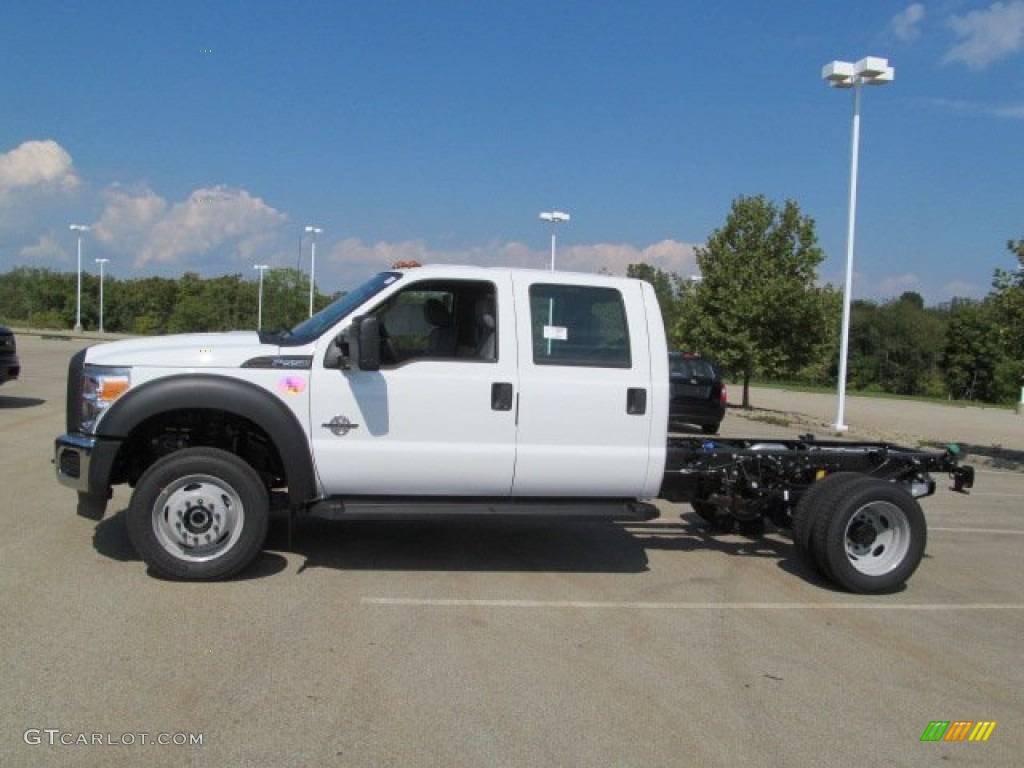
498	545
110	539
464	545
692	534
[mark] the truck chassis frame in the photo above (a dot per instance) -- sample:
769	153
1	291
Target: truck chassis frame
852	506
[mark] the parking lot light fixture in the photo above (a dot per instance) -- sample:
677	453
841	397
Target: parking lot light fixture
556	218
314	231
79	228
101	262
871	70
259	301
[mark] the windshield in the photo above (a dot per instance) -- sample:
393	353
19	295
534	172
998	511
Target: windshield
314	327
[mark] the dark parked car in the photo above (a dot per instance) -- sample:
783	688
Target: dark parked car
10	368
698	394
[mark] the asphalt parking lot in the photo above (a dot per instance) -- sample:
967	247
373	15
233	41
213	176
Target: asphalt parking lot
499	644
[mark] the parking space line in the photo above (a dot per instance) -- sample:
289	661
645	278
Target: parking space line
420	602
977	530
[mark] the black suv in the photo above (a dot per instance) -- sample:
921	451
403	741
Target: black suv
10	368
698	394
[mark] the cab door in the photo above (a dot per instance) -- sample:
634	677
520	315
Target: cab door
438	418
586	401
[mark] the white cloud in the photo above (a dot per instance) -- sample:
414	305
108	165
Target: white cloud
141	223
896	285
1010	111
211	218
1015	112
987	35
36	164
128	218
47	249
964	289
668	255
905	25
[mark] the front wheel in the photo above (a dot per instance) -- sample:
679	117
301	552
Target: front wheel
872	537
199	514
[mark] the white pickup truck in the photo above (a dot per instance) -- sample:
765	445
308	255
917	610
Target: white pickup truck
453	391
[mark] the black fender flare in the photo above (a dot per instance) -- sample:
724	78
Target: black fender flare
223	393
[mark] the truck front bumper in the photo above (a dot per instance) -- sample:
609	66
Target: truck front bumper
73	460
84	464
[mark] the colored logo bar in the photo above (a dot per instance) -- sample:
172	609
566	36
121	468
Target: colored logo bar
958	730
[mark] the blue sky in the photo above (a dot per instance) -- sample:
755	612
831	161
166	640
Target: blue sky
204	136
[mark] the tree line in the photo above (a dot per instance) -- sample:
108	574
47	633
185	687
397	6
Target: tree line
43	298
757	309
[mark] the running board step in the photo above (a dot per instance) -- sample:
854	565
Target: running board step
434	508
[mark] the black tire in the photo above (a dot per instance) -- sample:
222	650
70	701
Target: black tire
199	514
710	429
872	536
806	514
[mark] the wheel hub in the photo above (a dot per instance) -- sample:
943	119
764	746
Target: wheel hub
877	538
862	534
198	518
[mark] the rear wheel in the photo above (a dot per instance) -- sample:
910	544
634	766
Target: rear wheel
872	538
806	514
199	513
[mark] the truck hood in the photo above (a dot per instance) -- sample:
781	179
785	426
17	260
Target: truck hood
192	350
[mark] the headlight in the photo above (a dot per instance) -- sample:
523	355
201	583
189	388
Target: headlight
101	386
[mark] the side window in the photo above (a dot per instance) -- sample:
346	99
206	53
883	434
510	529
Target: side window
439	319
579	325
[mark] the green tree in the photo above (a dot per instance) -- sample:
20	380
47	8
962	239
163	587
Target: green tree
1008	303
973	351
757	309
670	289
897	347
285	298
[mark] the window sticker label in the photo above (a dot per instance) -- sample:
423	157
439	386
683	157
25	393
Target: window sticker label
556	332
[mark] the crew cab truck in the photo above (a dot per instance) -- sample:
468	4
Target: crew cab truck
450	391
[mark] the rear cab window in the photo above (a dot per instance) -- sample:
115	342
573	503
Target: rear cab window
576	325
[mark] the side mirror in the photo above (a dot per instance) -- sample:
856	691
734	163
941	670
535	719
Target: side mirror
358	346
367	349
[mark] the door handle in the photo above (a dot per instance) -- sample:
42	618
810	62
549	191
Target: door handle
636	401
501	396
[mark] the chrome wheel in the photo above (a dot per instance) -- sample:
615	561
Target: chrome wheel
877	538
198	518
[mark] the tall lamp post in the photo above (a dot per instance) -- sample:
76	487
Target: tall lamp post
314	231
79	228
870	70
556	218
101	262
259	301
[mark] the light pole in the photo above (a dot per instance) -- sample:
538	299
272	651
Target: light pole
101	262
870	70
314	231
79	228
259	302
555	217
